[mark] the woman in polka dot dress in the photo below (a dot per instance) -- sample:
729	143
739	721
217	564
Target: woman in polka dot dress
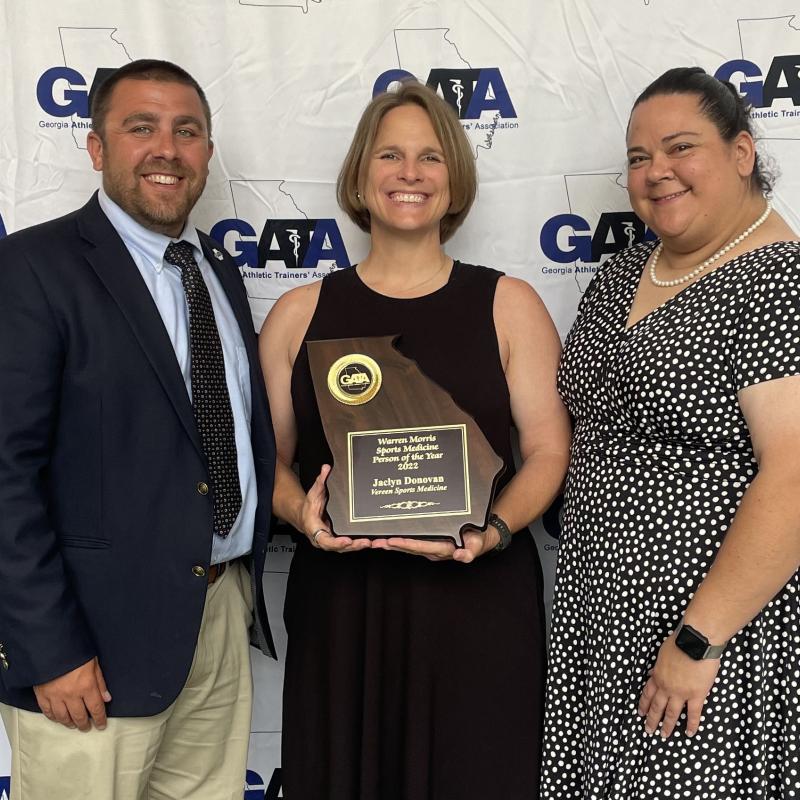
682	514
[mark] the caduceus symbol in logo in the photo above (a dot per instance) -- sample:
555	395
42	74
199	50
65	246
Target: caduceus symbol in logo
629	229
294	238
458	90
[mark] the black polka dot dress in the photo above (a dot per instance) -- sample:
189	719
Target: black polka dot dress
661	459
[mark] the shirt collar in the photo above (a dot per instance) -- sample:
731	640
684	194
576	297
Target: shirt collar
150	244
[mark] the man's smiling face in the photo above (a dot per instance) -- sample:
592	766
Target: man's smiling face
153	152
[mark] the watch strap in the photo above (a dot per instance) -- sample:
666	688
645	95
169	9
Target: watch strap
503	529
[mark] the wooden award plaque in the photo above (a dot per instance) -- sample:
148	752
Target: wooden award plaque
407	461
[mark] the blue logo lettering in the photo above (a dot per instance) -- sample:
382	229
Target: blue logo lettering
615	231
490	94
5	788
298	243
580	246
76	101
782	81
254	786
231	233
386	79
470	92
326	245
752	90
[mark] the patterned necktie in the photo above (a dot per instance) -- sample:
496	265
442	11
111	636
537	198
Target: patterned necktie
210	400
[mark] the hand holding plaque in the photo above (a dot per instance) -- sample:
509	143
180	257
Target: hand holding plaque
407	461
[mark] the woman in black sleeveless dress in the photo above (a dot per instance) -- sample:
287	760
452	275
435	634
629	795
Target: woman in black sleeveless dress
415	669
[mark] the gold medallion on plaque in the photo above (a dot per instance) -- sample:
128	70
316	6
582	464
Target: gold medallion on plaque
354	379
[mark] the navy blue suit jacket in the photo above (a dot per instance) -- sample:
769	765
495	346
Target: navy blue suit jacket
101	521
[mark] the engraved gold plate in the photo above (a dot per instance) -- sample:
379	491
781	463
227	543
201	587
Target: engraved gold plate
414	473
354	379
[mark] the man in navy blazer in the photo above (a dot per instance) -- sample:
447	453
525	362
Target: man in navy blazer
124	614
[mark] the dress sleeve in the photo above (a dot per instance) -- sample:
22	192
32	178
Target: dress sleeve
767	340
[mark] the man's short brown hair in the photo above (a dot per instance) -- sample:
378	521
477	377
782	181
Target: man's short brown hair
145	69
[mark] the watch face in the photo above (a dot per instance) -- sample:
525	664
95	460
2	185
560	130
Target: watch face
691	642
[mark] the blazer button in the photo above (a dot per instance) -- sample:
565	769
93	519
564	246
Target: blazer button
199	571
202	487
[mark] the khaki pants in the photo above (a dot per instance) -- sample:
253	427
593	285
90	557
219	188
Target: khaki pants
194	750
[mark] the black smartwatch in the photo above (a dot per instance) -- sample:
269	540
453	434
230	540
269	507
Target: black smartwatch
695	645
502	529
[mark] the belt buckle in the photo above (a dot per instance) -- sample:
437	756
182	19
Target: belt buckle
216	571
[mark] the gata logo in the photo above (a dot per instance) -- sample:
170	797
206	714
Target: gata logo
2	227
565	238
781	82
471	92
354	381
64	92
254	788
5	787
297	244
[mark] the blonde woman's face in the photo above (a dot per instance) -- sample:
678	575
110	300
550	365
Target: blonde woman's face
407	186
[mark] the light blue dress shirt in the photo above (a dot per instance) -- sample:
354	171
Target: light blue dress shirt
163	280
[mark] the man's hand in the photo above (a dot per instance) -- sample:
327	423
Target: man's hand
77	698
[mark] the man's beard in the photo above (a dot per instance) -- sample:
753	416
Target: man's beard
154	214
165	214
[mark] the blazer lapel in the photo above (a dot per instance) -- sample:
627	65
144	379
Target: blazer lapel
114	266
229	277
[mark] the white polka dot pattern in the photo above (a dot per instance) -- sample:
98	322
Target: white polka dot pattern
661	459
210	399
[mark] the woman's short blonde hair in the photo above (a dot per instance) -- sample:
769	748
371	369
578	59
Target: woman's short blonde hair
457	155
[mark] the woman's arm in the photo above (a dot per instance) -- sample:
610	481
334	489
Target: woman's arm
279	343
759	555
529	351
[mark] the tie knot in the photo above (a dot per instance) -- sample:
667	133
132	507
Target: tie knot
180	254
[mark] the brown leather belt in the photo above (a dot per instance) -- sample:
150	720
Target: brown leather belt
215	571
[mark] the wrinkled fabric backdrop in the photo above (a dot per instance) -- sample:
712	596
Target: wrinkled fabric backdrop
543	90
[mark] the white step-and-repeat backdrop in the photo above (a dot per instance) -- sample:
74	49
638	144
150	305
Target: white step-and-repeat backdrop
543	89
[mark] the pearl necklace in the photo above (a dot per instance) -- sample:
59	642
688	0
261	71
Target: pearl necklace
709	261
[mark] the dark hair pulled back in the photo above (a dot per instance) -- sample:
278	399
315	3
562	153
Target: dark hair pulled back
720	103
